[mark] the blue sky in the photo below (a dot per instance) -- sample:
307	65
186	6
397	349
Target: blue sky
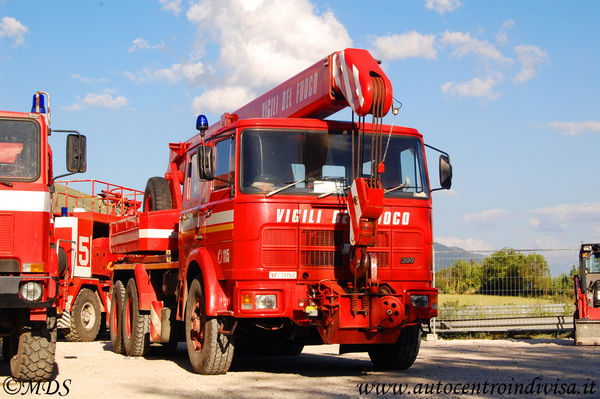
509	88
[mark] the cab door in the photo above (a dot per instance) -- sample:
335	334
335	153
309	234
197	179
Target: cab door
215	210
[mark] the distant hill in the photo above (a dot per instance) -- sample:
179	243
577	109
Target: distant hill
447	256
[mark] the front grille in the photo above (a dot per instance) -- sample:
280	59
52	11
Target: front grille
6	233
321	258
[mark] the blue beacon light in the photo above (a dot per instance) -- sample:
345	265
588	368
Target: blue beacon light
39	105
201	123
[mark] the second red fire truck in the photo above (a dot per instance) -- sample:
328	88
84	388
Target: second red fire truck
276	227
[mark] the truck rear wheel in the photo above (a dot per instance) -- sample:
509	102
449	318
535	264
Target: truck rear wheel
210	352
157	196
136	326
85	317
34	358
402	354
116	317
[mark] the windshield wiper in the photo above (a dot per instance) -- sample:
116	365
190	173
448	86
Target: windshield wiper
6	183
389	190
337	191
280	189
277	190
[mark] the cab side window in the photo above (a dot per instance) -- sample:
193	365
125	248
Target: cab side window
224	163
193	181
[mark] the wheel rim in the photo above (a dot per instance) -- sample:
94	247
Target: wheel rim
197	325
88	316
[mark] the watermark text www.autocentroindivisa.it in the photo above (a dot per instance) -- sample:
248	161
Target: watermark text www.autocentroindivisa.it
12	386
537	386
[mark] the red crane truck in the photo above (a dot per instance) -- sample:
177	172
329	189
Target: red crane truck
276	228
29	266
81	225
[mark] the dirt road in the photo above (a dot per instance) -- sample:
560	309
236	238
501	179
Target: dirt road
444	369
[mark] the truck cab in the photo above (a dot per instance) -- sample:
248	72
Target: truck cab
29	264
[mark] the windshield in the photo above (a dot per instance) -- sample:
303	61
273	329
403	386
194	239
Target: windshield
19	150
592	263
320	162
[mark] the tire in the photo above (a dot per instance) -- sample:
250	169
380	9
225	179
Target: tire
116	312
85	317
157	196
402	354
210	352
34	358
136	326
63	262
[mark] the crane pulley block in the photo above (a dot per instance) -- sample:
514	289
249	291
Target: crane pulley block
365	205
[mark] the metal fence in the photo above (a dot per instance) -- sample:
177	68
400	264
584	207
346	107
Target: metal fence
504	290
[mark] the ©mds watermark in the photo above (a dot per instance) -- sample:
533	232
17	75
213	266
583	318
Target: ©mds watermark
12	386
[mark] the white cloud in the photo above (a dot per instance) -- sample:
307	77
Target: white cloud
464	45
530	57
476	87
407	45
143	44
552	219
575	128
105	100
565	213
191	73
442	6
10	27
502	35
83	79
264	42
171	5
470	244
223	98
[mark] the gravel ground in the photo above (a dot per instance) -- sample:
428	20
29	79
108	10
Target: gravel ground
444	369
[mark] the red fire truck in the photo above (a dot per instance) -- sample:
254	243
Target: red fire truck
276	228
81	228
29	266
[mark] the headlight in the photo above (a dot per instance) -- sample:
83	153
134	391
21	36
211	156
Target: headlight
419	301
266	302
31	291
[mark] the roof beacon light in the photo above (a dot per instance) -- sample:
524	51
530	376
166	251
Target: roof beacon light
39	104
201	124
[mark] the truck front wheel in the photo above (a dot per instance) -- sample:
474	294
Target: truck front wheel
402	354
34	358
136	326
210	351
85	317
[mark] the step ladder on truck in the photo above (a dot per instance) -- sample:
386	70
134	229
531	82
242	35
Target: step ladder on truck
276	228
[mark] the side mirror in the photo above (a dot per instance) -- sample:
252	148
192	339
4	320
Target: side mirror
206	165
445	172
76	153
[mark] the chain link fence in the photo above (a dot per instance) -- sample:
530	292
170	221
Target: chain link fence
504	290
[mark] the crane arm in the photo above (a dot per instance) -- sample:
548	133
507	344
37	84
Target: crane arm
345	78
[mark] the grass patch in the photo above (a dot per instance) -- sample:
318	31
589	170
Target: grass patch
458	300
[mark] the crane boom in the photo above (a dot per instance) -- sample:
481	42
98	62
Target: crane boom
344	78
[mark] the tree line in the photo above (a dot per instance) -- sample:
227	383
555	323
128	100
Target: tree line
505	272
